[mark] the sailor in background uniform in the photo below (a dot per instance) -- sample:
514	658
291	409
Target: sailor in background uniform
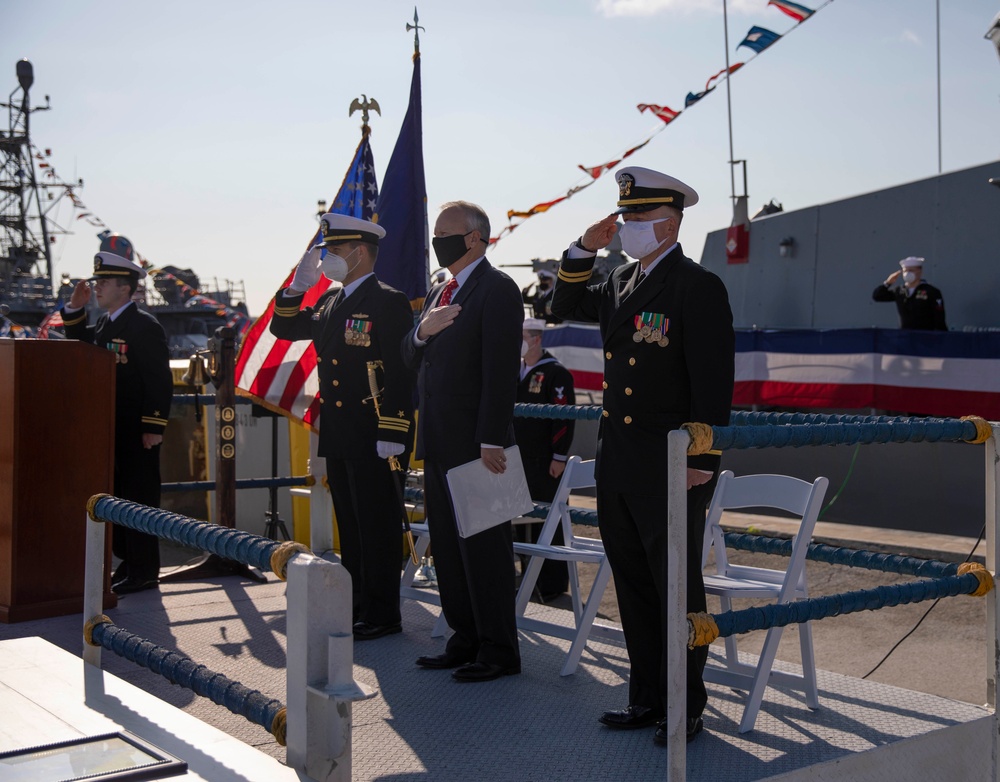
669	350
920	304
538	295
353	328
544	443
143	390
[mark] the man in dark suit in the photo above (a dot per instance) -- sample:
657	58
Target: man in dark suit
143	389
669	349
544	443
466	347
357	329
920	304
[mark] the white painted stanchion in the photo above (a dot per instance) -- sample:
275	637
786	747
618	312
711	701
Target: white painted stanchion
320	506
677	445
320	669
93	583
992	603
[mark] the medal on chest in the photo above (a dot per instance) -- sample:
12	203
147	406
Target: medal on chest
535	384
651	327
357	332
120	349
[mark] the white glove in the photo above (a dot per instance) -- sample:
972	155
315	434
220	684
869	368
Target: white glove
307	272
386	449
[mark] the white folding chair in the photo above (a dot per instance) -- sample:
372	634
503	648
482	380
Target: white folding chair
575	549
737	581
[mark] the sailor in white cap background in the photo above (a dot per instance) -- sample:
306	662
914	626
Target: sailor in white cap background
538	295
544	443
143	390
669	358
920	304
361	323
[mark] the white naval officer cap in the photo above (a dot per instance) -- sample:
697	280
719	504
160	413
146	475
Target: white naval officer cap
911	262
344	228
642	189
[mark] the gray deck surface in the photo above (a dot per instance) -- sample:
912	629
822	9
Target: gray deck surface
536	726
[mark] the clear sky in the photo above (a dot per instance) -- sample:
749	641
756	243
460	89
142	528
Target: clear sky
206	131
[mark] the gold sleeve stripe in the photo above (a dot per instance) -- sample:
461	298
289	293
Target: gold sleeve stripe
714	453
148	419
401	427
286	312
74	320
566	276
393	420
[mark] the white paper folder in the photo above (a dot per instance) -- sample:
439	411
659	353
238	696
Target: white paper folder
483	499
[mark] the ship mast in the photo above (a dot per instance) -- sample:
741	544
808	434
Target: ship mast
25	236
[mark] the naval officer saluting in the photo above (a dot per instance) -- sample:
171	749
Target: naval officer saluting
361	324
667	330
143	389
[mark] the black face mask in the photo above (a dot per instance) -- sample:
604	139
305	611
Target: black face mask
449	249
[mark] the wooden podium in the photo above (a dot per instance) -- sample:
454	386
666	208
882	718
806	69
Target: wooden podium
57	426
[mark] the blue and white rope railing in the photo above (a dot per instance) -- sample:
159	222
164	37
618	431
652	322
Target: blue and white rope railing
316	724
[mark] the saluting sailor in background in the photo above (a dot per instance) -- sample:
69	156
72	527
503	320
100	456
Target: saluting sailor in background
669	349
363	322
920	304
143	389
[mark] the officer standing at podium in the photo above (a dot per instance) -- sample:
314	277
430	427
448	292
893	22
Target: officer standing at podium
143	389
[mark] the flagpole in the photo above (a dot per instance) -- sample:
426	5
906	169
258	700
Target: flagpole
729	106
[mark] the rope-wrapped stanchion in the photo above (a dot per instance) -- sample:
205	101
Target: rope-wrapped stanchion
231	544
780	615
181	670
283	553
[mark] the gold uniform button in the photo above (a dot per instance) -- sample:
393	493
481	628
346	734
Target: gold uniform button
336	382
603	412
604	384
631	362
339	403
628	391
321	400
608	355
333	361
628	418
318	359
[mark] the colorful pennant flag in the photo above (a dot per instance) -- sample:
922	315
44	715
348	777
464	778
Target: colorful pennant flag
758	39
281	375
402	207
732	69
798	12
663	112
694	97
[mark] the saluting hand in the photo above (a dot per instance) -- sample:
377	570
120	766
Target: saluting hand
599	235
437	320
81	295
892	278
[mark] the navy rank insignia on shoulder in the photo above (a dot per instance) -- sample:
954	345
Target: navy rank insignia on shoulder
357	332
651	327
535	386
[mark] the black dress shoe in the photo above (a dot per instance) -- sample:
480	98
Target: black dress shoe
483	672
130	585
694	726
364	631
631	717
441	661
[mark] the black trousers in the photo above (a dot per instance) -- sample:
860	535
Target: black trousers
137	479
634	532
369	520
475	579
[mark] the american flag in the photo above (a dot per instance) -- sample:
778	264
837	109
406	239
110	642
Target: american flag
281	375
51	321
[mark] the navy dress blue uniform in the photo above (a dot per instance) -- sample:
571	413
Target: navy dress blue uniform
467	379
669	350
348	333
540	440
921	309
143	390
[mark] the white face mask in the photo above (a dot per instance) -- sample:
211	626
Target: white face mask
334	267
639	237
909	277
524	348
